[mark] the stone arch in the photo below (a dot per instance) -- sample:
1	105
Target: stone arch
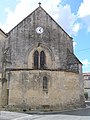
40	47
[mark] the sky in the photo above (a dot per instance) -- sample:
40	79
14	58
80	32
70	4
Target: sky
72	15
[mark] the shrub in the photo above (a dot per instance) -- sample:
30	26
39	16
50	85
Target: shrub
86	95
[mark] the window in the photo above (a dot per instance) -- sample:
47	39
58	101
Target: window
39	60
42	59
36	57
89	78
45	83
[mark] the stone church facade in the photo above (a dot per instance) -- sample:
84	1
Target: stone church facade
39	69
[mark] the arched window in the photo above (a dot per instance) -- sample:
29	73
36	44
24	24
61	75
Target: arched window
36	59
45	83
42	59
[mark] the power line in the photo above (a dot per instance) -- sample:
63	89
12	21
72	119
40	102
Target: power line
83	50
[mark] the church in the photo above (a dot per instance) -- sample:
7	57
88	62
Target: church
38	68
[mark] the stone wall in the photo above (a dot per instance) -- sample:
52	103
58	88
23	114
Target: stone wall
2	41
22	85
2	48
26	90
0	92
23	38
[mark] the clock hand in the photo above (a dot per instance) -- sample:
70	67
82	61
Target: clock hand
40	30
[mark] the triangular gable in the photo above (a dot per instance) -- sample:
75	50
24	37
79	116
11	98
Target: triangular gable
23	20
55	22
47	14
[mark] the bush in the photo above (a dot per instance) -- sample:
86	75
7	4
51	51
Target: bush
86	95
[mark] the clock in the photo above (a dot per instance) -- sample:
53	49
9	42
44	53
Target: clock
39	30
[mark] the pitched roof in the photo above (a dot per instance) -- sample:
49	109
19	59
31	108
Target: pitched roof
3	33
72	59
47	14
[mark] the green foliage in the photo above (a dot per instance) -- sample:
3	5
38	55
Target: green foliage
86	95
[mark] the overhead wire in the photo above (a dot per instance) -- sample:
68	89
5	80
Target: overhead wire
82	50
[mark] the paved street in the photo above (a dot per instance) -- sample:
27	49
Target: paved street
81	114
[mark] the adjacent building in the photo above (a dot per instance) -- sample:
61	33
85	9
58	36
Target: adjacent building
87	84
3	37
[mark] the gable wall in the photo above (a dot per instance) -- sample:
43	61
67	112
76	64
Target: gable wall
24	36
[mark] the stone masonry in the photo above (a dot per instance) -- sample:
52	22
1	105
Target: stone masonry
23	84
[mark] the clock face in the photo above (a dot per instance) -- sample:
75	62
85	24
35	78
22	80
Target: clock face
39	30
